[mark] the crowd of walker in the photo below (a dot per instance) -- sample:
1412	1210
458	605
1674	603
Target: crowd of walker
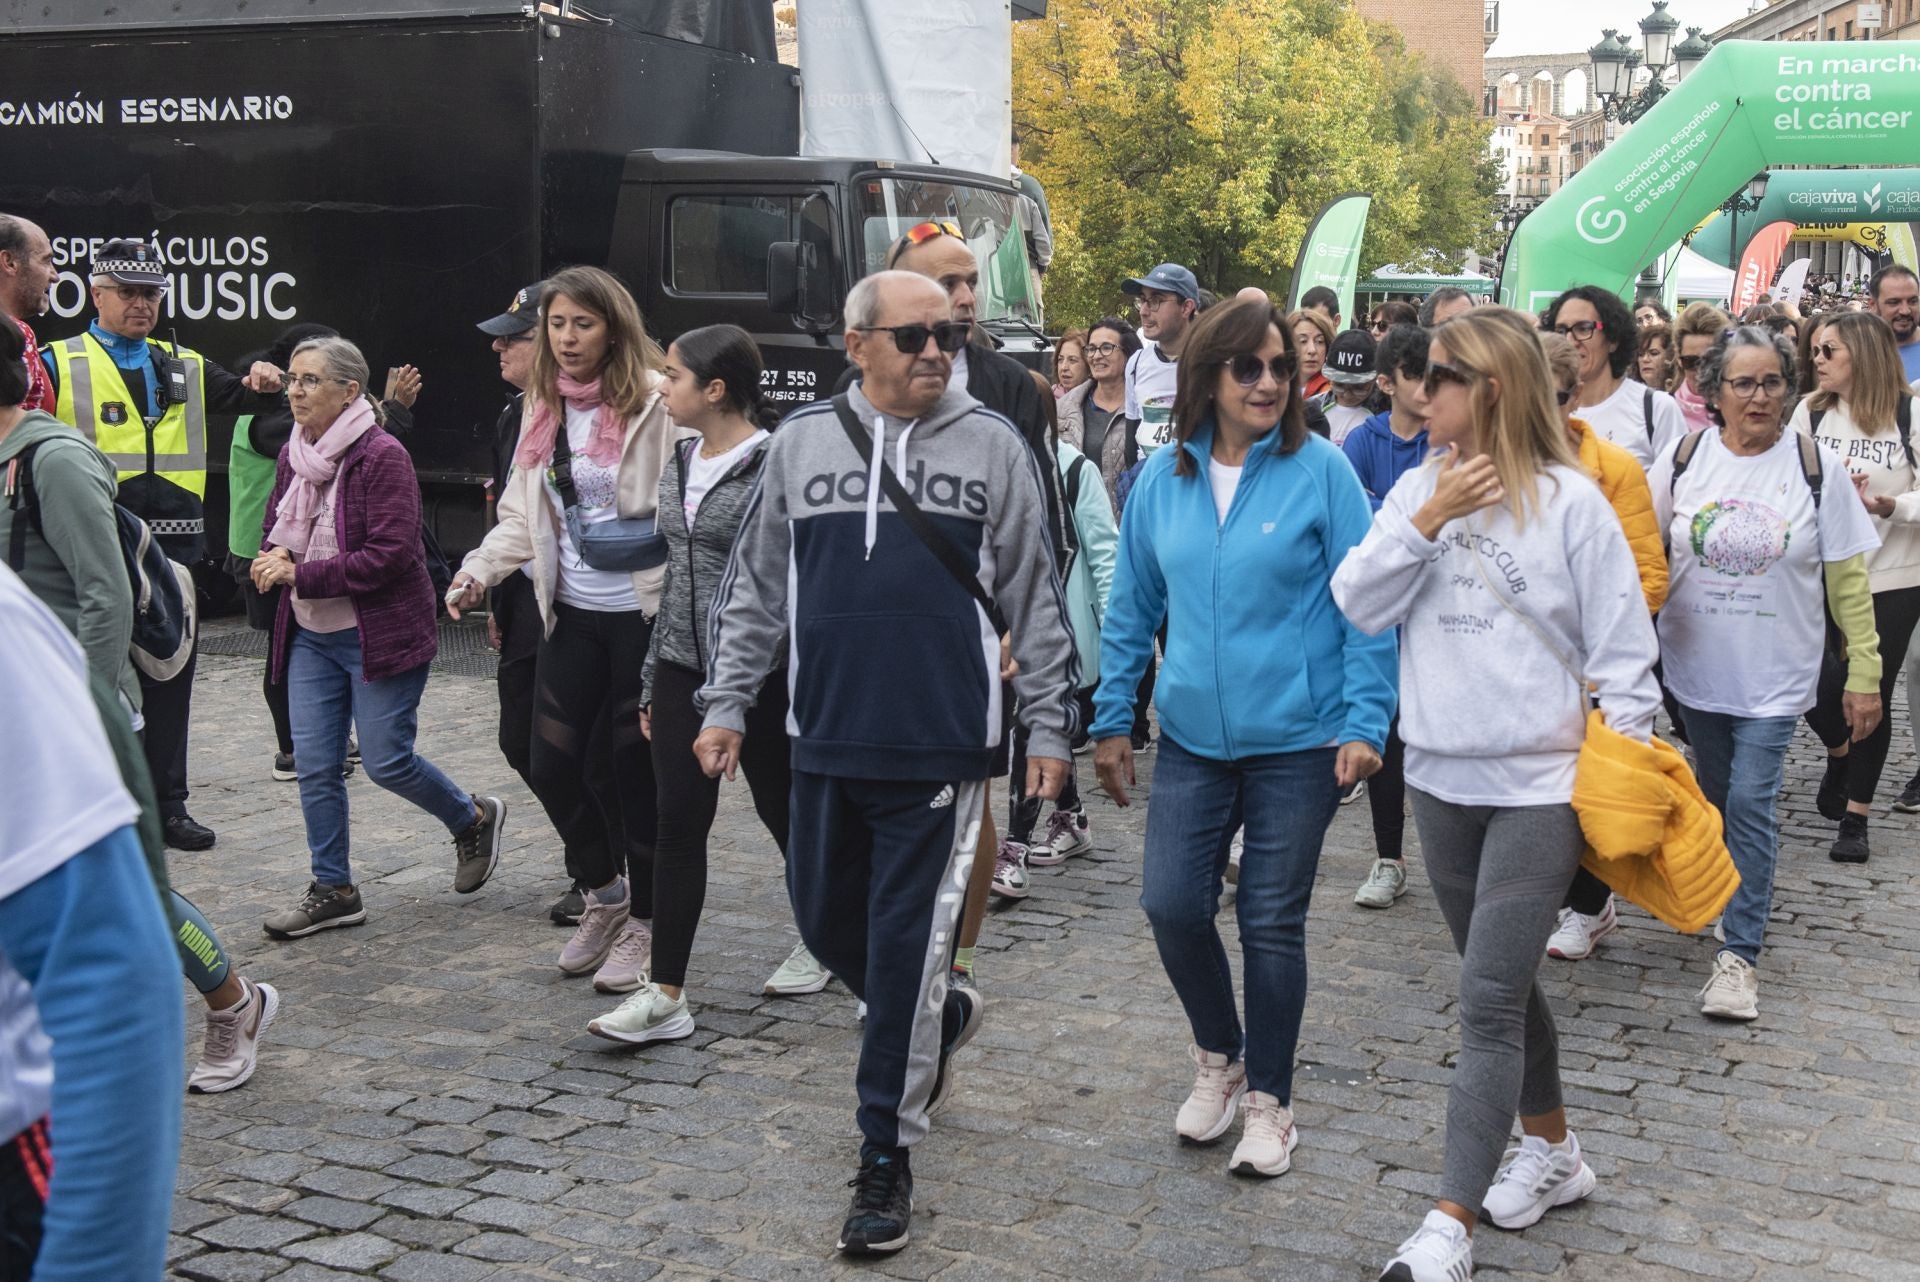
1455	559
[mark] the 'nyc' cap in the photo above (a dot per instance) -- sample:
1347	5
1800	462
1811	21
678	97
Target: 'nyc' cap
1168	278
521	315
131	262
1350	360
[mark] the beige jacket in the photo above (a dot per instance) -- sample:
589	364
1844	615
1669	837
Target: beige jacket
529	521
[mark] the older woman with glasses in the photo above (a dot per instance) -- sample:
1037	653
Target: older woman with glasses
1764	539
1270	703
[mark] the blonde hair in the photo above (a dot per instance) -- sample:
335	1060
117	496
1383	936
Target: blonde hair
1562	360
1879	383
1314	318
1519	426
1699	320
634	359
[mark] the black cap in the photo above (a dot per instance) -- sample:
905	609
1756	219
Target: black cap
1350	360
521	315
131	262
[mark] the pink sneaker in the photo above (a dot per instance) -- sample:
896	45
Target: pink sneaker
593	939
631	957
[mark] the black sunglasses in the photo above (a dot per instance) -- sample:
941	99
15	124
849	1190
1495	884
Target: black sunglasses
948	336
1562	397
1439	372
1246	369
1825	351
1690	362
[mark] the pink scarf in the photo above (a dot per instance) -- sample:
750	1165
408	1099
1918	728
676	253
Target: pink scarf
536	443
314	465
1692	407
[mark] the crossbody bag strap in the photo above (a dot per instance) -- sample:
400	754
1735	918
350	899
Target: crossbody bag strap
560	469
952	559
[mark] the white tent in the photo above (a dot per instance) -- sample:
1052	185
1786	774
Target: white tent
1700	280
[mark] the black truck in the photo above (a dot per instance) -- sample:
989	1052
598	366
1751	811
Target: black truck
397	168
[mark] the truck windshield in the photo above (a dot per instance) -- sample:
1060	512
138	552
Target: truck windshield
988	219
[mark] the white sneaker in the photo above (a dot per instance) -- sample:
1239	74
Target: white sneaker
232	1047
800	973
1720	929
1536	1178
628	961
1353	794
1233	858
1386	883
1577	933
1733	992
1010	870
647	1016
1217	1089
1438	1251
1067	835
1266	1145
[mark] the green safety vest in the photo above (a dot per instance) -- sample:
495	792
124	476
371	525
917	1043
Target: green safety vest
250	477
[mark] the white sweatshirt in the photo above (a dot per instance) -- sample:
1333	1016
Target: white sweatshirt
1890	474
1490	715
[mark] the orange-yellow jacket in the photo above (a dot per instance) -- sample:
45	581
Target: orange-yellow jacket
1619	477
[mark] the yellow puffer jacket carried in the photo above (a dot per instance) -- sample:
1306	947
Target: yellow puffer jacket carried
1619	477
1652	835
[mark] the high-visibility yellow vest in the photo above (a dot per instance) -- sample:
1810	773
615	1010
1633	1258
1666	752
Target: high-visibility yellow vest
94	398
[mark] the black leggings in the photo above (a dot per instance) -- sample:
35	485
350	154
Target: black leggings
1023	812
589	667
688	800
1387	797
1894	614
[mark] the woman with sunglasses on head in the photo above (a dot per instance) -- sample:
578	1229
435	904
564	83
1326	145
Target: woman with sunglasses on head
1506	571
1863	411
1093	416
581	507
1697	330
1765	543
1270	704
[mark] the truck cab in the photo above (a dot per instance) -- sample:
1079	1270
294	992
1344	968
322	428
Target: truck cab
773	245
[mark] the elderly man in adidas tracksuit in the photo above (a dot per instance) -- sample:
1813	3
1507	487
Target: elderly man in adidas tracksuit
894	670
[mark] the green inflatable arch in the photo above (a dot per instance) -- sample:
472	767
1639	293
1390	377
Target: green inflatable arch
1819	196
1750	105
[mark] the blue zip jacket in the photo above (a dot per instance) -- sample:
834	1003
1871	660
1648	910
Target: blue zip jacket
1259	660
1379	457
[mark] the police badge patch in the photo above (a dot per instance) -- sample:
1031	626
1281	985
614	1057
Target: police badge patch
113	413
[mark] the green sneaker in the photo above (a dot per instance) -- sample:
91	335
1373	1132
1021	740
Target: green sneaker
800	973
647	1016
1386	883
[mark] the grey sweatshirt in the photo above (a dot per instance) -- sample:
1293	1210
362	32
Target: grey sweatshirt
893	667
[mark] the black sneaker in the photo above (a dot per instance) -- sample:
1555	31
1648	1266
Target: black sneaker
353	753
1831	800
960	1020
882	1206
1908	802
283	771
476	851
566	910
1850	847
183	832
1141	742
324	908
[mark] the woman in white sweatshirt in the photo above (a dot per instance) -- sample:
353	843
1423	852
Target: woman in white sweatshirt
1863	411
1507	573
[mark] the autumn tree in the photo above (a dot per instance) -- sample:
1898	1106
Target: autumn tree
1209	132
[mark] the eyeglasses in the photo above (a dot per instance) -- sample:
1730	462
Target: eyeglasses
1690	362
311	382
511	340
1825	351
129	293
1579	331
1439	372
1749	388
911	340
1247	368
1103	349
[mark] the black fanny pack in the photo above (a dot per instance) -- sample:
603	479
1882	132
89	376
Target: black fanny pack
626	544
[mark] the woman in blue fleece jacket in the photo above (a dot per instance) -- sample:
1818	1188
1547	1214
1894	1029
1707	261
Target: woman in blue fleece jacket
1270	703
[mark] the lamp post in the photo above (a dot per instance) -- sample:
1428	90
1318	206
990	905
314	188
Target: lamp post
1745	201
1614	61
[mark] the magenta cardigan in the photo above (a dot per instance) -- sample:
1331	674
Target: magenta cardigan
382	566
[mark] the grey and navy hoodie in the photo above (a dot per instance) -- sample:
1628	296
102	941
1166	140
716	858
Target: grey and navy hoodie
893	667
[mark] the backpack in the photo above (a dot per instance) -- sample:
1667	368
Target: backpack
1902	419
1646	414
1810	464
163	591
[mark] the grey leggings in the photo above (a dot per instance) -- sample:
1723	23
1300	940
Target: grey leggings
1500	875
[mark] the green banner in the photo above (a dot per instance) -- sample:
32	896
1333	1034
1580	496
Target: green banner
1824	196
1749	105
1330	254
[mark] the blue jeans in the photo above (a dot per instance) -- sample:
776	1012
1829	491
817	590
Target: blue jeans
1286	800
325	695
1741	763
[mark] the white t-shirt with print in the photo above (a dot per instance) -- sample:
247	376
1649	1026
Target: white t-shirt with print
1342	419
1745	620
1622	419
1880	458
1152	380
703	472
597	490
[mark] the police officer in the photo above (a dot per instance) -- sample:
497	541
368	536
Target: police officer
145	404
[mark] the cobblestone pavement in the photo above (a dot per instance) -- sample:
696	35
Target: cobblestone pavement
430	1108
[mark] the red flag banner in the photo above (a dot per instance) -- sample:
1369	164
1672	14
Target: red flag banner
1759	263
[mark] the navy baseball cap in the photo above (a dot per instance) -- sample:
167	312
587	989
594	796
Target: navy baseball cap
131	262
1351	359
1168	278
522	315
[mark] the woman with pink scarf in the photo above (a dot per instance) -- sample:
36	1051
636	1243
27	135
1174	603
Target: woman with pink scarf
354	637
577	514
